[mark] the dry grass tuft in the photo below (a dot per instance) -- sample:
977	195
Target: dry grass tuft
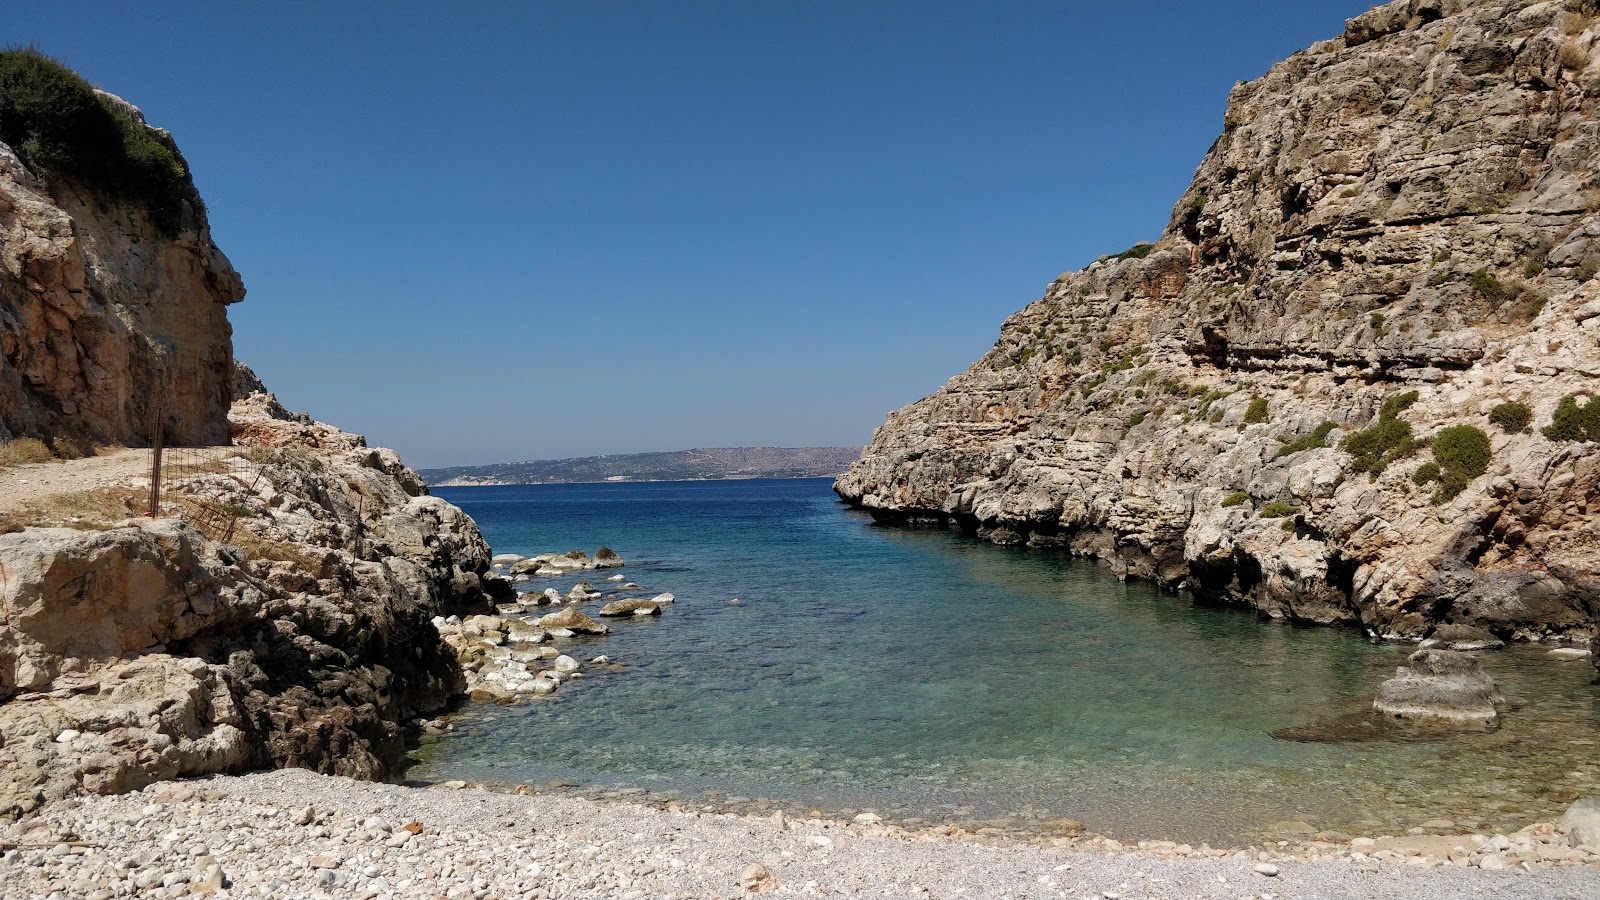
24	450
86	510
1573	57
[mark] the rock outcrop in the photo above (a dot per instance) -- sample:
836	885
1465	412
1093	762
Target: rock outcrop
152	650
104	309
1440	684
1410	207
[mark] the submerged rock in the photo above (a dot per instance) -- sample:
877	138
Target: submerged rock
631	607
1462	637
1440	684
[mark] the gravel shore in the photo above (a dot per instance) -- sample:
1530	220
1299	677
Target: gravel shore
294	834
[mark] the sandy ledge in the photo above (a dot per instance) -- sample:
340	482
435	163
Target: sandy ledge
255	835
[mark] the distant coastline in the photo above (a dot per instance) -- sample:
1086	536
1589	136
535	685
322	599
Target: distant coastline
700	464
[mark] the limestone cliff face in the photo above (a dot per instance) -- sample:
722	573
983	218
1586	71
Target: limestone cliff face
305	639
1409	207
101	310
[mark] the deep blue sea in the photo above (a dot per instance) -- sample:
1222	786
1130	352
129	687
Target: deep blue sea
930	677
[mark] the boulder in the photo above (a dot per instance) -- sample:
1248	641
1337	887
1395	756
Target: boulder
631	607
1582	821
574	621
1440	684
607	558
1461	637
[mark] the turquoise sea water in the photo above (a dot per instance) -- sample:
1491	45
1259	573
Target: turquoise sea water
927	676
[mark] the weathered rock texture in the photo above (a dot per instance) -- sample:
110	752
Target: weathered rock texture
302	641
1323	260
1440	684
100	311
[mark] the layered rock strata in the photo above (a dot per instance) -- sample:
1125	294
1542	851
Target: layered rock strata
1412	206
150	650
107	318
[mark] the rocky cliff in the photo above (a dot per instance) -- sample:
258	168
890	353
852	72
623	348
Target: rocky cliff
279	611
109	298
142	649
1352	380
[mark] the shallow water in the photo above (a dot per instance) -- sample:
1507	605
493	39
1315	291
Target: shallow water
928	676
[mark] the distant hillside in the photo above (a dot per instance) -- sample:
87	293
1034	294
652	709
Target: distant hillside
674	465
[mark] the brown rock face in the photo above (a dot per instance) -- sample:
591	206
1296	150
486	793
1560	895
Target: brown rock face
100	311
1409	207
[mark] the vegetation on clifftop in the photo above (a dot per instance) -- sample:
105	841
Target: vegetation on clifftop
59	126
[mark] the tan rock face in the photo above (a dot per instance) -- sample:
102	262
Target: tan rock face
100	312
1409	207
305	641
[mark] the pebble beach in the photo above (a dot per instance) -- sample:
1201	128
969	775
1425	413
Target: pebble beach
294	834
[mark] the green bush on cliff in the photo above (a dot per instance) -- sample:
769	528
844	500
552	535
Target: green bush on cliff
1373	449
1257	412
1137	251
1512	416
1572	422
59	126
1236	498
1485	285
1461	453
1277	509
1426	473
1317	438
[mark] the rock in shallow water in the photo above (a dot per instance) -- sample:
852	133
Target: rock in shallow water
573	620
1461	637
633	607
1440	684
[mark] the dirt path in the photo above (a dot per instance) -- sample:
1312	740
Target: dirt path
26	484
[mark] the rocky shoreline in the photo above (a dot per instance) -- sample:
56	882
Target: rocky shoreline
139	650
1349	382
291	833
504	656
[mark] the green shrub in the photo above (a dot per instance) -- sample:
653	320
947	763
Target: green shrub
1426	473
1396	405
1485	285
1376	321
1317	438
1512	416
1462	453
1257	411
1277	509
1572	422
1137	418
1137	251
1373	449
60	127
1532	268
1464	449
1236	498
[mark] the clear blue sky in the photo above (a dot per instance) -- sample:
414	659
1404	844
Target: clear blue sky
480	232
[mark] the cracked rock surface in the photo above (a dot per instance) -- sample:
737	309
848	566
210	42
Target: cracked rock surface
1410	206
